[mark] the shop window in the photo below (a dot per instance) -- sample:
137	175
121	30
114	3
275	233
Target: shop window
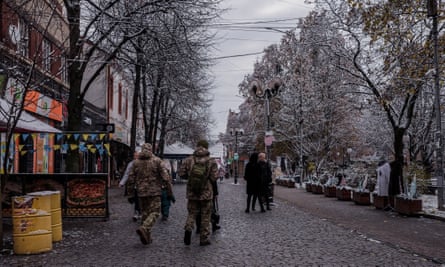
26	154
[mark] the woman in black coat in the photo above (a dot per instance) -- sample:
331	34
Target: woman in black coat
251	175
265	175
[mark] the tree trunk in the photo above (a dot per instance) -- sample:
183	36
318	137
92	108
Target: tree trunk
75	105
396	180
75	74
134	115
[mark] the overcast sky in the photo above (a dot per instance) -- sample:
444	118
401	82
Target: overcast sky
236	37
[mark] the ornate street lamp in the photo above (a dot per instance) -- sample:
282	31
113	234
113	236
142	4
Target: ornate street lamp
235	132
432	7
258	91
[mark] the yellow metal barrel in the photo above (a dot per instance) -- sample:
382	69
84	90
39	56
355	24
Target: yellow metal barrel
56	216
53	197
32	230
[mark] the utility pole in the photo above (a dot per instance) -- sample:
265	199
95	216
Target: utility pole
432	13
300	133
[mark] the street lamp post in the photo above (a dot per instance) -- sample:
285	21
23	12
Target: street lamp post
433	13
235	132
271	91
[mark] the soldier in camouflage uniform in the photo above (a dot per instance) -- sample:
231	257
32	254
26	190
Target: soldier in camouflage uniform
202	202
147	176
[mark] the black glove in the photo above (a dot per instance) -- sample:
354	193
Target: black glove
172	198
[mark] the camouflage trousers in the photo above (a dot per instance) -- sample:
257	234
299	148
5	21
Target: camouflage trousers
150	211
203	207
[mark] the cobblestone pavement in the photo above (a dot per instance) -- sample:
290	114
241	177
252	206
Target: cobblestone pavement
292	234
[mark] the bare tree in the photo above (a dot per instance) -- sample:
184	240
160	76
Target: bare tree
171	65
387	44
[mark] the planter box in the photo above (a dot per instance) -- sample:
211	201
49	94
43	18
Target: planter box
308	187
380	202
330	191
361	198
408	206
290	183
317	189
343	194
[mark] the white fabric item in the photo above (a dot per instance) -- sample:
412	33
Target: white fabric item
383	174
124	179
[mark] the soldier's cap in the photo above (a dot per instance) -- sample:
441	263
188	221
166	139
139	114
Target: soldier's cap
203	143
146	148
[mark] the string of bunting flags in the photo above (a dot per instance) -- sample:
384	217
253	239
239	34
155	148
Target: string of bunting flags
92	142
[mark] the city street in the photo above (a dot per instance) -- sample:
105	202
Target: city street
302	229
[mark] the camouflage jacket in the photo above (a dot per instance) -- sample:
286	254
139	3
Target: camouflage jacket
201	154
147	176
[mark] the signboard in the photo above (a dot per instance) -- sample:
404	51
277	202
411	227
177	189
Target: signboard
82	194
43	105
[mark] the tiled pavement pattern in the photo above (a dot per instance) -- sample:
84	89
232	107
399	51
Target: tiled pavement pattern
301	230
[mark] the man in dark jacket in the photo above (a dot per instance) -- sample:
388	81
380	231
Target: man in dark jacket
147	176
199	202
252	176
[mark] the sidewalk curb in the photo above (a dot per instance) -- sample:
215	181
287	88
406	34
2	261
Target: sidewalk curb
431	216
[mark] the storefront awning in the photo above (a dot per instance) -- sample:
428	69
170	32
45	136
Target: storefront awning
26	123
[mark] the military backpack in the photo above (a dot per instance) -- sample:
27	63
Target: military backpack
197	179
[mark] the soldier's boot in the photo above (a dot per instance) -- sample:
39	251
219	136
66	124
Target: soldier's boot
204	243
144	236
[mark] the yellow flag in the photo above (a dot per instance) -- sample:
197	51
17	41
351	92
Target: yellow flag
73	146
107	147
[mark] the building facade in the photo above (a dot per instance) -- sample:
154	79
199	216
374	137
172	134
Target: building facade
33	77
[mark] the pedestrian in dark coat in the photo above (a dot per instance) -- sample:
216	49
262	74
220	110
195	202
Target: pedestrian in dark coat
265	180
251	175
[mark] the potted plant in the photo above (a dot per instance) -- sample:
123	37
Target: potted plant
317	188
408	203
343	193
330	190
361	195
308	187
380	202
309	183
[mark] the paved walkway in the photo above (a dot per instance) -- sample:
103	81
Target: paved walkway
302	230
420	235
